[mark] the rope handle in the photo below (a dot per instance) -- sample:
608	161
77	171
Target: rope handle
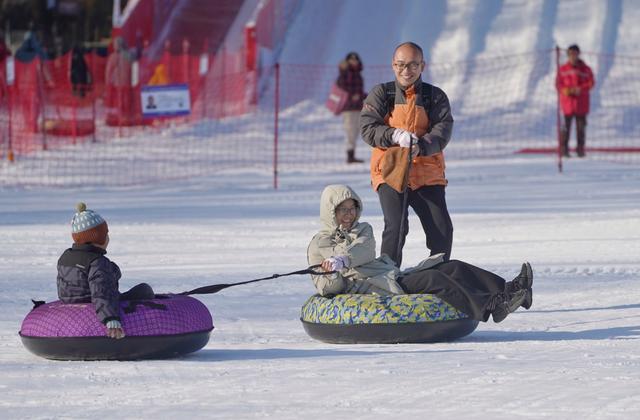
309	270
214	288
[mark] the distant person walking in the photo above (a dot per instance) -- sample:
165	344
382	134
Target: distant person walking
574	81
4	49
5	53
350	79
396	115
79	73
118	78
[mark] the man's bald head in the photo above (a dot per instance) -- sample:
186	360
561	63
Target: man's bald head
412	45
408	63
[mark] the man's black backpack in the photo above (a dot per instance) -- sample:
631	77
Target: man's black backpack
390	96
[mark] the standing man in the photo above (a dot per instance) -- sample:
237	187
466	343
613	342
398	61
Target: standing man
574	81
395	116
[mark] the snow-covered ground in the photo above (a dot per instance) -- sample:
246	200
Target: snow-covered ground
573	355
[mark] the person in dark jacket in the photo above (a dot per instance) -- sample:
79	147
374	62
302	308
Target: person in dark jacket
79	74
5	52
86	275
31	47
351	81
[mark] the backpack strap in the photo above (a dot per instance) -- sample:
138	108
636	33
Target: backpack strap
427	95
390	95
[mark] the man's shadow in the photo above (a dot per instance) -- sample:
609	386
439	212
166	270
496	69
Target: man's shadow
606	308
614	333
210	355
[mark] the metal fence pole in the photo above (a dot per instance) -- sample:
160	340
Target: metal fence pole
558	122
275	126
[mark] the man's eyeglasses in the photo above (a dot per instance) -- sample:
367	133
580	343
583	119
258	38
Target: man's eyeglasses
345	210
412	66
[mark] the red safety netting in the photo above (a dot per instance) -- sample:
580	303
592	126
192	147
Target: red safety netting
502	106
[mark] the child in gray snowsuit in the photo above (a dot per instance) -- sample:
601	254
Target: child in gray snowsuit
86	275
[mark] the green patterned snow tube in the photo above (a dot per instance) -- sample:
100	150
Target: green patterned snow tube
384	319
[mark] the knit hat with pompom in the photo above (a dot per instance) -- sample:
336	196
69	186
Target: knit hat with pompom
88	226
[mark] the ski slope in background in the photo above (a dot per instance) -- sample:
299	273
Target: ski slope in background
495	60
450	31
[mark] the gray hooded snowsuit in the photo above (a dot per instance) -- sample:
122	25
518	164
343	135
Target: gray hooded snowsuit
365	273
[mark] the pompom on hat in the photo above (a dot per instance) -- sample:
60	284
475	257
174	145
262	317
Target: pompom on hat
88	226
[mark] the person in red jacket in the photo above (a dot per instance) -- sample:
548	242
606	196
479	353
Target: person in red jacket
574	81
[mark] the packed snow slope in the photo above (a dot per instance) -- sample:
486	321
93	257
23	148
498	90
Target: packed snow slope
574	354
451	31
495	60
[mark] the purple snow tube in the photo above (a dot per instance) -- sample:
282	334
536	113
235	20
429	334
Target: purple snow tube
167	326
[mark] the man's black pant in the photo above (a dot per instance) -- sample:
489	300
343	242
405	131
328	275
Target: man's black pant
581	124
464	286
431	207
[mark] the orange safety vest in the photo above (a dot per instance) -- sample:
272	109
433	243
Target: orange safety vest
425	170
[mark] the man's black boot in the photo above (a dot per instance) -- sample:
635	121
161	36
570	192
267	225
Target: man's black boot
523	281
351	157
505	303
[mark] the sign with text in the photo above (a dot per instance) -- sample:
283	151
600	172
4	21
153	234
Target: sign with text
165	100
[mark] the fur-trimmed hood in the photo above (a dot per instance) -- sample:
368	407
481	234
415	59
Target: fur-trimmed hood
331	198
